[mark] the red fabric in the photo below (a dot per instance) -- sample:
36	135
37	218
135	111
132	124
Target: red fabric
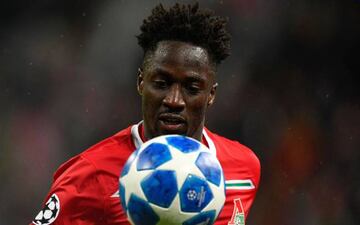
238	163
87	184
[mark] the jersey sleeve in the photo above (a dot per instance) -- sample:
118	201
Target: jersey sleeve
253	179
243	191
242	172
75	196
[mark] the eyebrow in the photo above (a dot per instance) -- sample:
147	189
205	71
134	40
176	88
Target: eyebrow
192	76
162	72
197	78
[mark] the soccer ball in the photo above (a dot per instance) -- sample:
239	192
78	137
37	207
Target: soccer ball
172	179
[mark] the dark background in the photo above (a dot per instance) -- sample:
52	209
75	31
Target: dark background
289	91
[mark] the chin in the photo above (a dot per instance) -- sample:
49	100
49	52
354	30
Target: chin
180	132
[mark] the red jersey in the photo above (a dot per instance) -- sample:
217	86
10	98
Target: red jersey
85	189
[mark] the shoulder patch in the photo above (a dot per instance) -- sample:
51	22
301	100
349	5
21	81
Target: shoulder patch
49	213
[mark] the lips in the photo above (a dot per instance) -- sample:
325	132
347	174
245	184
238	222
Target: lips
171	123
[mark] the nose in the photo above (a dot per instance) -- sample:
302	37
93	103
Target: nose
174	98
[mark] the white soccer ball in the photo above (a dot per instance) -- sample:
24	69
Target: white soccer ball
172	179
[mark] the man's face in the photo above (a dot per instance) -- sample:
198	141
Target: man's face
177	86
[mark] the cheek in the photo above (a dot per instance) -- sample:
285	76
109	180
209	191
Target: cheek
198	108
151	101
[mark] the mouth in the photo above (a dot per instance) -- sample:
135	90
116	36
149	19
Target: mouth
172	123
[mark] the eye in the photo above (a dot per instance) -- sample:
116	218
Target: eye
193	89
160	84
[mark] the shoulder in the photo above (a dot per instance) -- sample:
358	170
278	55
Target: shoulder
97	156
84	184
233	148
233	153
109	146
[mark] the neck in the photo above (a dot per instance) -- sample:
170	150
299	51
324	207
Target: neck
145	134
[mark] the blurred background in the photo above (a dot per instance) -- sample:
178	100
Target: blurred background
68	80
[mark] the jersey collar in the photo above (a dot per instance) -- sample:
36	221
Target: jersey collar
138	141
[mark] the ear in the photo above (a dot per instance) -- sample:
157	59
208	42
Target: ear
212	94
140	81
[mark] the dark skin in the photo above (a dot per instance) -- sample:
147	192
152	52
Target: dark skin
177	85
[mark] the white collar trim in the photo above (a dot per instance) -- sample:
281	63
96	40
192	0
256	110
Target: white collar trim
136	135
138	141
209	141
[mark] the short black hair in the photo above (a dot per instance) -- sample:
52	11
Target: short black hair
186	23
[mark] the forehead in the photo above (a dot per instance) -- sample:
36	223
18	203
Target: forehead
181	57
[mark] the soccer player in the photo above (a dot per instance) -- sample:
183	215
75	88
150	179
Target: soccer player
183	46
